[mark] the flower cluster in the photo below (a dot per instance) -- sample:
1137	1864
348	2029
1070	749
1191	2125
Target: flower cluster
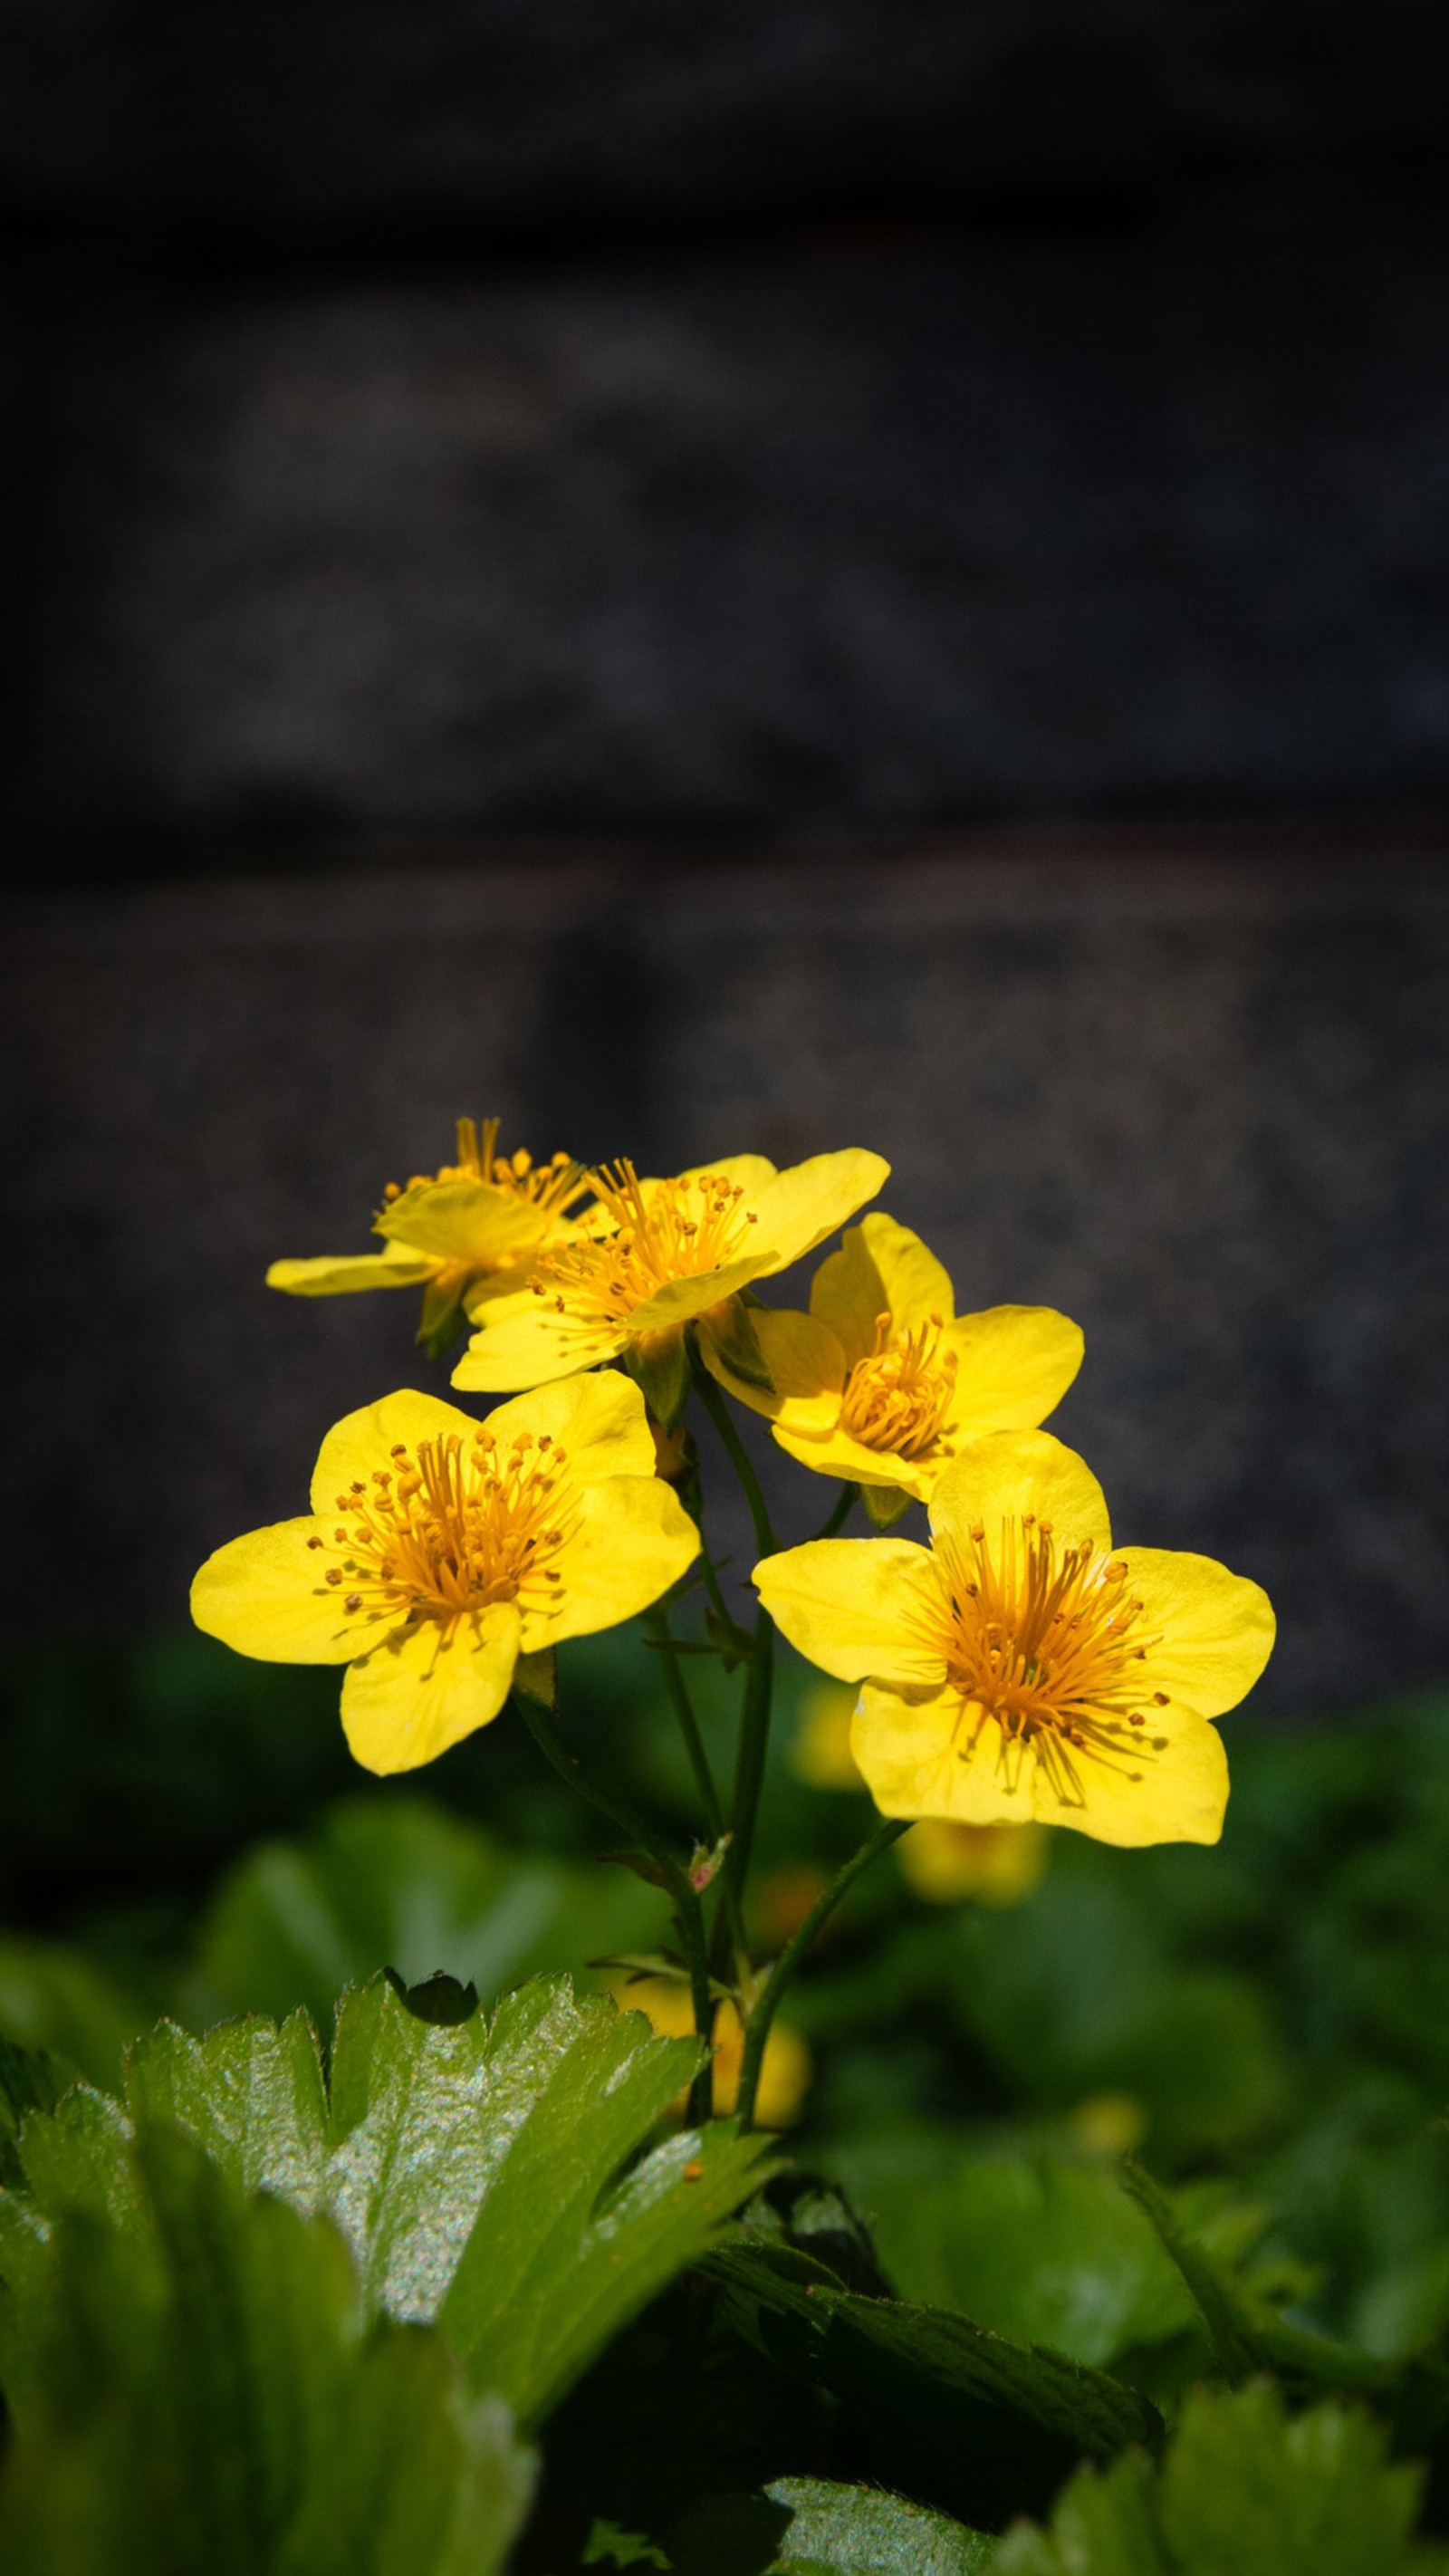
1020	1670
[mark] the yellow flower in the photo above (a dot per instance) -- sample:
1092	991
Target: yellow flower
1022	1668
651	1257
882	1382
992	1864
820	1754
785	2071
438	1549
462	1233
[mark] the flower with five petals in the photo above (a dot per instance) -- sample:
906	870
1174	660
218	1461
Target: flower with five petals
439	1548
463	1234
1023	1668
653	1255
882	1382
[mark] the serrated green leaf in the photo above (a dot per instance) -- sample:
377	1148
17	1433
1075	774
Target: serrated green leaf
1245	2490
1037	2248
204	2391
31	2079
398	1883
475	2169
994	2424
797	2526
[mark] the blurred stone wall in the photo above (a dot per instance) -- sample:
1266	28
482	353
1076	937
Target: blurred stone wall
694	577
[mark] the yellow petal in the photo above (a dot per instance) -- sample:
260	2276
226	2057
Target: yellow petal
362	1441
1216	1628
426	1686
880	1269
1015	1365
465	1221
630	1538
344	1274
264	1595
860	1605
854	1464
798	1208
1009	1473
806	1368
910	1751
598	1421
680	1300
526	1342
747	1172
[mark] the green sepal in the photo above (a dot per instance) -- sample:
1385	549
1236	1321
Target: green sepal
885	1504
536	1676
728	1332
659	1365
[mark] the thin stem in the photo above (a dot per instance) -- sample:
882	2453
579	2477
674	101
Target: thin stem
656	1623
837	1517
762	2014
715	1406
690	1913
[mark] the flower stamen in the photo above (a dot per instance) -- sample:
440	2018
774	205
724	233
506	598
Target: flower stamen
898	1396
682	1229
1041	1643
452	1529
551	1187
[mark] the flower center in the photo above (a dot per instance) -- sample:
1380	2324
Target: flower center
1045	1644
452	1529
680	1230
551	1186
898	1396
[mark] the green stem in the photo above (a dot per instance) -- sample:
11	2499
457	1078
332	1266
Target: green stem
766	2003
840	1514
656	1623
689	1911
750	1761
715	1406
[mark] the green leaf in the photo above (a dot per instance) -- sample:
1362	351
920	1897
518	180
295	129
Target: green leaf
483	2173
397	1883
53	1997
1245	2490
991	2426
31	2079
204	2390
1038	2248
608	2546
799	2526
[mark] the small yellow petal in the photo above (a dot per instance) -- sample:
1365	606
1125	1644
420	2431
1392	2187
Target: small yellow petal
937	1757
853	1464
344	1274
264	1595
362	1441
426	1686
526	1342
860	1605
800	1207
1216	1629
466	1221
631	1538
1010	1473
1014	1365
880	1269
599	1421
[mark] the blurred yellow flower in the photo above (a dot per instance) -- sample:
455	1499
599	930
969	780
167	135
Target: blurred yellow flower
651	1257
820	1754
438	1549
787	2068
1110	2125
462	1233
882	1382
993	1864
1022	1669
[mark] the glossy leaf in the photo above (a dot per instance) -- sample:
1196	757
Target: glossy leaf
809	2527
204	2389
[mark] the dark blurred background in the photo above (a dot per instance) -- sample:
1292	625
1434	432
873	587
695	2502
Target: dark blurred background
711	578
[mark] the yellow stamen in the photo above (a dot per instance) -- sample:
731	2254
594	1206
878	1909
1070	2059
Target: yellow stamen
454	1529
553	1186
898	1396
1041	1643
683	1230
